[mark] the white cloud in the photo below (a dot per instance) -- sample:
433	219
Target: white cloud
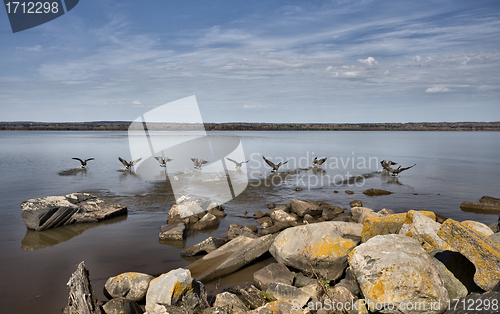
137	102
370	61
36	48
437	89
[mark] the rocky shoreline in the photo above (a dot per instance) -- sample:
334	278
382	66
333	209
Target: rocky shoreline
328	260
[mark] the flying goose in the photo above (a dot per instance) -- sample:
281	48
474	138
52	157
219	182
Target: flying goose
128	165
163	161
272	165
83	162
198	162
394	172
238	164
318	162
388	163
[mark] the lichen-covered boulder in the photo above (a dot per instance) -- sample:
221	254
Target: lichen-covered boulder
132	286
424	230
479	249
390	224
322	245
122	306
478	227
358	212
393	271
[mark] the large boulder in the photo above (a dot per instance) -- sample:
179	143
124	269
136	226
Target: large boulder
478	249
274	272
230	257
230	302
478	227
132	286
122	306
393	271
207	221
55	211
424	230
322	245
176	287
206	246
390	224
359	213
81	296
455	288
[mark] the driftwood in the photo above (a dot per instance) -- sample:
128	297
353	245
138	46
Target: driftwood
81	299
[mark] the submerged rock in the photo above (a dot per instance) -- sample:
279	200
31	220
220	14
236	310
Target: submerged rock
376	192
131	285
478	249
55	211
395	270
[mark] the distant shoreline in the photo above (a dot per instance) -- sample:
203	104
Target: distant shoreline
243	126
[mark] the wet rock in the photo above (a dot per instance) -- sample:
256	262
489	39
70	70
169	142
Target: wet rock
478	227
230	257
486	303
265	222
251	227
131	285
349	192
301	208
208	221
55	211
230	302
390	224
81	296
454	287
480	207
281	215
356	203
424	230
376	192
489	200
274	272
282	291
258	214
174	231
321	244
122	306
217	212
301	280
395	269
176	287
478	249
276	227
206	246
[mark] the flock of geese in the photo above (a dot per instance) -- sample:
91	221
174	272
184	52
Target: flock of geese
274	167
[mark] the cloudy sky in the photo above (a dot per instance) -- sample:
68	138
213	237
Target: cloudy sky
257	61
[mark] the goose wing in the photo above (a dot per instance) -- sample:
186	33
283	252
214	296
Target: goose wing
202	162
89	159
79	160
232	160
135	161
403	169
160	159
124	162
321	161
270	163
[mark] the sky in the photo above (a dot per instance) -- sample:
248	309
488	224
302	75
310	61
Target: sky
277	61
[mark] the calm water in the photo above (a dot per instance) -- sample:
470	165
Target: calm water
452	167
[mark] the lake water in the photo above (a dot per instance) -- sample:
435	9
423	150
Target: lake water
451	167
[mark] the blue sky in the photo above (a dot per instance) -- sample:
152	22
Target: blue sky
257	61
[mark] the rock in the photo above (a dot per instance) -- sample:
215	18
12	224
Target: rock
258	214
328	214
301	280
495	238
251	227
349	192
132	286
230	257
207	246
217	212
208	221
321	244
392	269
424	230
265	222
459	266
176	287
376	192
494	227
478	249
230	302
308	218
281	291
280	215
81	296
478	227
55	211
480	207
489	200
350	283
301	208
279	307
172	232
357	212
276	227
390	224
216	310
339	294
274	272
356	203
237	230
454	287
122	306
251	296
485	303
385	212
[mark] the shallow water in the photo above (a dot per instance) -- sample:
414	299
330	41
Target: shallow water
451	167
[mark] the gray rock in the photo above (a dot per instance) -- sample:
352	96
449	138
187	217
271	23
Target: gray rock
489	200
328	214
230	302
302	281
495	237
208	221
350	283
349	192
459	266
258	214
494	227
424	230
216	310
358	212
454	287
281	215
217	212
252	228
230	257
282	291
274	272
132	286
356	203
206	246
388	259
480	207
484	303
265	222
172	232
276	227
251	296
302	208
376	192
81	296
122	306
55	211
